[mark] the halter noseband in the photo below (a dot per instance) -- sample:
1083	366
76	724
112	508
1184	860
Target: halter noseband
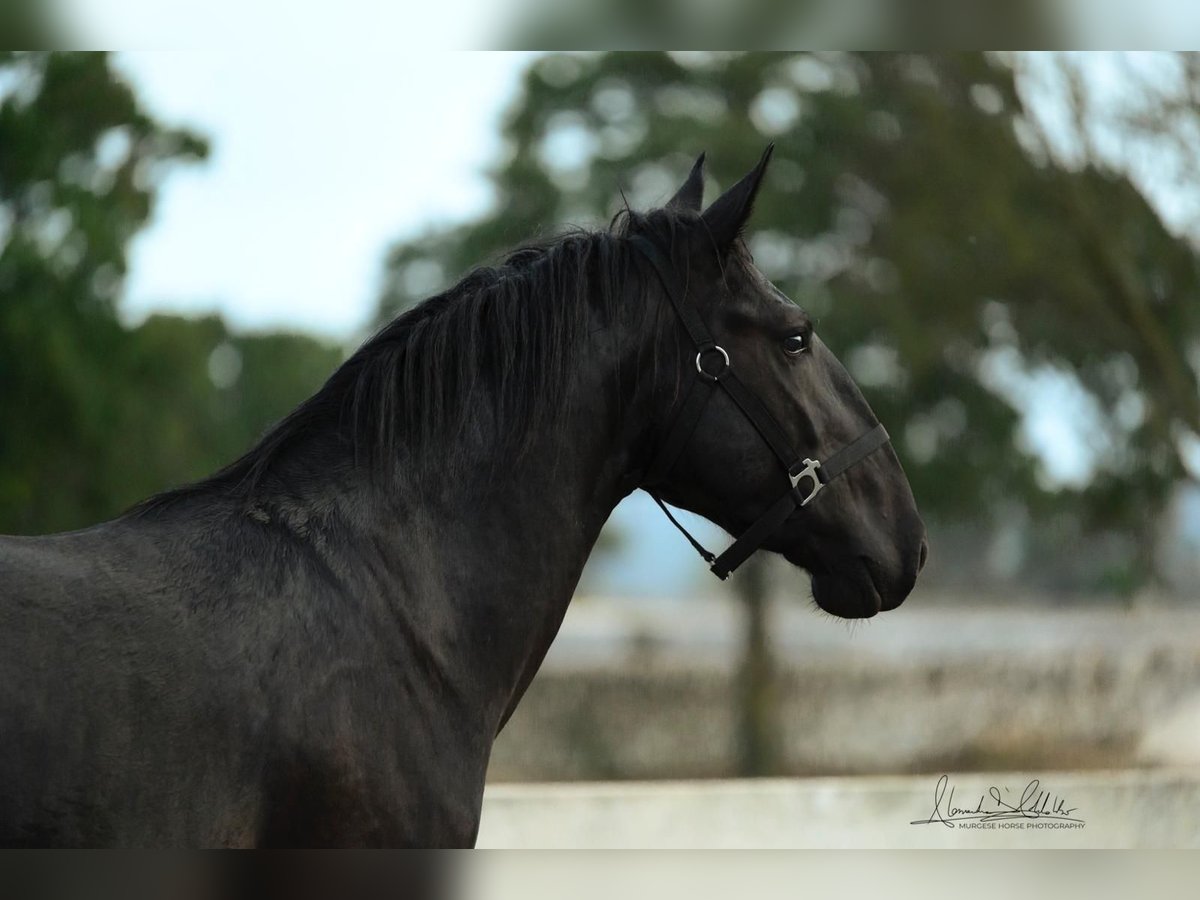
714	368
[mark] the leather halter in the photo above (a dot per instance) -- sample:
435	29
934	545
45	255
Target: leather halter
714	369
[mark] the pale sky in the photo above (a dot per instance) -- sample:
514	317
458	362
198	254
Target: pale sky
264	26
320	160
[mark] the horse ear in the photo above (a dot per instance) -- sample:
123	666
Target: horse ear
729	212
690	197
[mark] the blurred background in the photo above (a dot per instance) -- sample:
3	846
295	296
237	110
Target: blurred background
1002	248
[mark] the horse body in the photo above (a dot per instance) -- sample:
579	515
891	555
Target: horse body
318	645
107	683
328	665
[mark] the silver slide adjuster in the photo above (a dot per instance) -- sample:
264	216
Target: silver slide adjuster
809	471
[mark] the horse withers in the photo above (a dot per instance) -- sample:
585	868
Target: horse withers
317	645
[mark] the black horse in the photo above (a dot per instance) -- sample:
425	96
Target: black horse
318	644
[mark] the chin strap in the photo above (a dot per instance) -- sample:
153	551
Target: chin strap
807	476
783	508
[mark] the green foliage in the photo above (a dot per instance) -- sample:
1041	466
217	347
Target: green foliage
909	208
578	24
30	23
93	415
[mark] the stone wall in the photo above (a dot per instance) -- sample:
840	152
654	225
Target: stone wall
669	720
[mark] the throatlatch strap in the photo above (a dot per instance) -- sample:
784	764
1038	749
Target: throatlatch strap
708	555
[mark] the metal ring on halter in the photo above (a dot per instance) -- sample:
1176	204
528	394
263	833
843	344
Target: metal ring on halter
724	356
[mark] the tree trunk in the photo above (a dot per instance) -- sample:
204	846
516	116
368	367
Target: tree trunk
756	693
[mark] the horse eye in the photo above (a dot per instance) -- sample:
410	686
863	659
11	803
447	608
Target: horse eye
795	344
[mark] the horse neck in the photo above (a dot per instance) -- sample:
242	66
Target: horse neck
494	553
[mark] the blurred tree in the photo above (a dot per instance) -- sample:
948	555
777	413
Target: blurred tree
188	397
93	415
29	23
78	164
577	24
756	700
1142	136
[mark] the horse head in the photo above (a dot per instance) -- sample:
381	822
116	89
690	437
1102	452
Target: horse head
773	441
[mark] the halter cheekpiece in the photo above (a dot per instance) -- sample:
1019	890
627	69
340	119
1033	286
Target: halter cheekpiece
714	368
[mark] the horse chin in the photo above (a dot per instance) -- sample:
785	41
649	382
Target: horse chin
848	595
849	598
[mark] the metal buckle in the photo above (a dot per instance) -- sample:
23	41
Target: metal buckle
809	471
724	356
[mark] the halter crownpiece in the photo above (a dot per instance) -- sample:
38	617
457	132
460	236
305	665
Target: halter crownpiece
807	476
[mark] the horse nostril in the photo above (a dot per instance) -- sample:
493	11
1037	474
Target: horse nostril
924	554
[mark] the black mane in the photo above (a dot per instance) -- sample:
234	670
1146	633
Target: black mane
499	342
